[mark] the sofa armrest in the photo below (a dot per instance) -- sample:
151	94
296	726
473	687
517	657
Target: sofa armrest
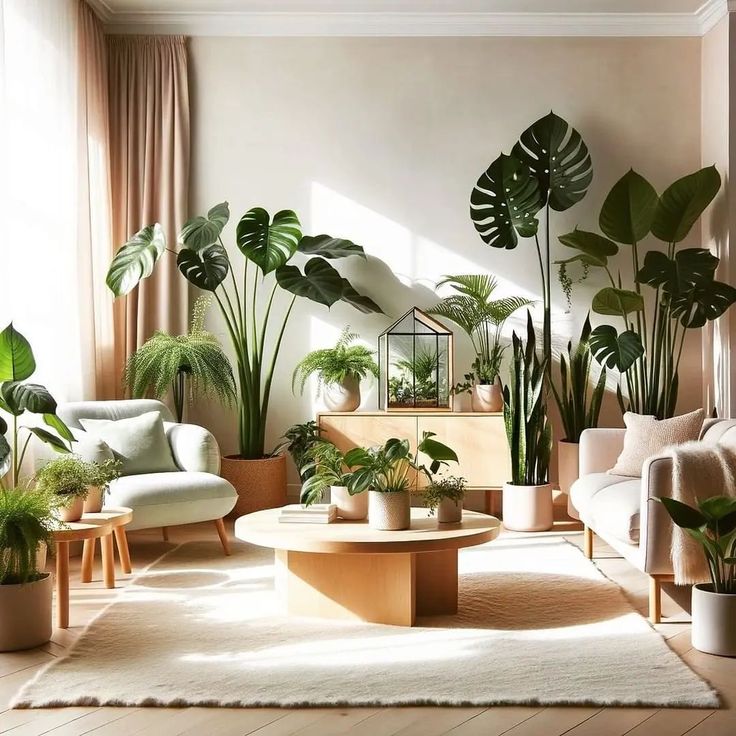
599	449
655	525
194	448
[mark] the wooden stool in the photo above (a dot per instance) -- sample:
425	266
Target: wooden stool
115	519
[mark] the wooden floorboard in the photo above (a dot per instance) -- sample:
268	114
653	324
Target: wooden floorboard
87	601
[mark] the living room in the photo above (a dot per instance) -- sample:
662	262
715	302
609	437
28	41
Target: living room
365	367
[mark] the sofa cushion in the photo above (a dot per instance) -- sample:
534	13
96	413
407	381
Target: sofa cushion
169	499
610	504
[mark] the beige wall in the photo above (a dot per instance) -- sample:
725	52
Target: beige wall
382	140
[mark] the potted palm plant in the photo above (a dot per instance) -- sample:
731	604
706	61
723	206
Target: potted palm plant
482	319
339	371
445	496
527	499
254	316
713	525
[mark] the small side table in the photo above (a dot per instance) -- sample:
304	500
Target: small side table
116	518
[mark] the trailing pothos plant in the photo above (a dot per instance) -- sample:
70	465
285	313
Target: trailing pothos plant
684	292
269	247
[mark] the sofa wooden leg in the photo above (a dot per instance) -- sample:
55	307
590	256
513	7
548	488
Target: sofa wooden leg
165	533
655	600
588	537
222	533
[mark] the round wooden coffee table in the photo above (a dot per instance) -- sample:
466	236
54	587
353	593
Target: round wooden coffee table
348	570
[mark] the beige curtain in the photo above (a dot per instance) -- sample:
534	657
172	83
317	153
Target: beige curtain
149	151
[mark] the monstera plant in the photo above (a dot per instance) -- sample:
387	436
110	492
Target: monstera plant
683	292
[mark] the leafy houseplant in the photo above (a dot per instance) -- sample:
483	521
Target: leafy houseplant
171	362
298	440
713	525
99	477
416	381
684	293
339	371
482	319
445	495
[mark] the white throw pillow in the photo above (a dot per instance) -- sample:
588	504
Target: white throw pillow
646	436
139	442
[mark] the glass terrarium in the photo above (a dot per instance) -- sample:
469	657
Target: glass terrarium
415	360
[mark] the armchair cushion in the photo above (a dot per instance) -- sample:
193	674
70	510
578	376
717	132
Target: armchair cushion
193	447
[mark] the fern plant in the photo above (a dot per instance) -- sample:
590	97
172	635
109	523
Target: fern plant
336	365
190	363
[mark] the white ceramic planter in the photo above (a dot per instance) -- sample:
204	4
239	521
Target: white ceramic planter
568	470
93	502
73	510
714	621
487	397
25	614
449	511
349	507
343	396
527	508
389	511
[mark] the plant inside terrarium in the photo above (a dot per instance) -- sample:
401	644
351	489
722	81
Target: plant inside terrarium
414	382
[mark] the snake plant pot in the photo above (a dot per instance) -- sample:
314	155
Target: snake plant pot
260	484
354	508
486	397
72	509
25	614
449	511
93	502
343	396
390	512
527	508
714	621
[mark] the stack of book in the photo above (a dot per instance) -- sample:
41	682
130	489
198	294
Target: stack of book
317	513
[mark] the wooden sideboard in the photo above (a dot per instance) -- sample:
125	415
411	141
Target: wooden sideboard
479	440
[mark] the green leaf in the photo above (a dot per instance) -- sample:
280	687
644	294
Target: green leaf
269	244
358	456
504	202
558	157
618	302
19	397
3	426
329	247
199	232
627	212
716	507
56	423
16	356
50	439
702	303
136	259
363	304
689	268
320	282
5	456
594	247
206	268
683	515
613	350
438	451
683	202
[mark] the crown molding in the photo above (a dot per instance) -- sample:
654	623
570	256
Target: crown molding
414	23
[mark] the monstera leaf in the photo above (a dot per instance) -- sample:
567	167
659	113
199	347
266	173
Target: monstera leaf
199	232
136	259
702	303
504	202
363	304
626	215
558	157
320	282
269	244
689	268
683	202
19	397
329	247
613	350
619	302
594	249
206	268
16	356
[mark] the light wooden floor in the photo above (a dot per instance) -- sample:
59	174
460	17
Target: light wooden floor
86	601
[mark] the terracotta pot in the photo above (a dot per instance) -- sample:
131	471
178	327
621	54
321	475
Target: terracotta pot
260	484
343	396
349	507
93	502
568	457
487	397
714	621
25	614
72	510
389	511
527	508
449	511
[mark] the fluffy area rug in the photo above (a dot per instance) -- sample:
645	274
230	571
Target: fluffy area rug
538	624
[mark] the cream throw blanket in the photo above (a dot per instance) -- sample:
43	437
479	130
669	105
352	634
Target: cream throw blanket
699	471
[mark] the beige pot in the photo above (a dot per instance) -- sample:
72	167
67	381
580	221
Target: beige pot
73	509
527	508
25	614
350	507
389	511
260	484
568	458
714	621
449	511
343	396
487	397
93	502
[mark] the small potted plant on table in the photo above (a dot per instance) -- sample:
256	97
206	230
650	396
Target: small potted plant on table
99	477
445	496
67	478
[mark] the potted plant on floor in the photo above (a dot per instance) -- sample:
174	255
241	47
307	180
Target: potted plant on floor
445	496
339	371
527	499
713	525
482	319
388	472
250	306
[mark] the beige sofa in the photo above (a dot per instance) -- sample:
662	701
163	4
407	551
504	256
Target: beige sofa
620	510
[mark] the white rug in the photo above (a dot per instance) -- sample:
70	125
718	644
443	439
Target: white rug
538	624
